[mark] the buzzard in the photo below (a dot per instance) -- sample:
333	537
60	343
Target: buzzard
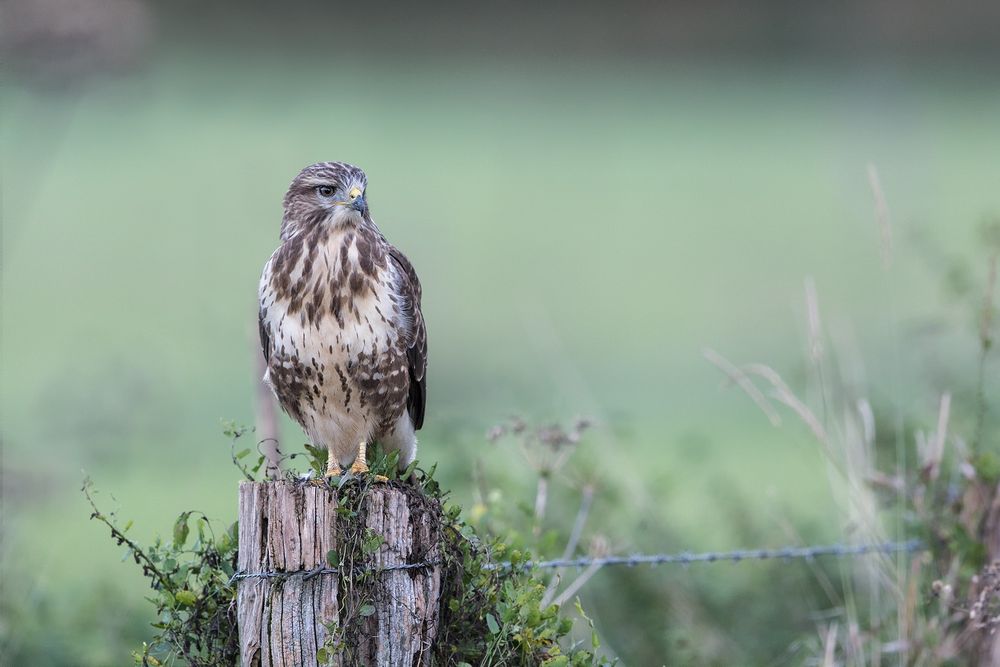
340	322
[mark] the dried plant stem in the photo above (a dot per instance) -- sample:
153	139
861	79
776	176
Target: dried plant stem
935	448
586	500
830	648
740	379
881	217
785	395
541	499
577	584
821	577
985	343
137	553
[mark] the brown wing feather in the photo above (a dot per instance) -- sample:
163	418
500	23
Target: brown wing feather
265	335
416	348
265	339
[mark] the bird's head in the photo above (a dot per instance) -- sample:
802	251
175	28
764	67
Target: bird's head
331	193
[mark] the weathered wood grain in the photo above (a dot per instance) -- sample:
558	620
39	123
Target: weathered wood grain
290	527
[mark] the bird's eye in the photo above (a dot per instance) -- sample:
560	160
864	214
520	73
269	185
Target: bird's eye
325	191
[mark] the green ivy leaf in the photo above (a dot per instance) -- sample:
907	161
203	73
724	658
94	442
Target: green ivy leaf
317	459
186	598
372	543
181	530
366	610
491	623
333	558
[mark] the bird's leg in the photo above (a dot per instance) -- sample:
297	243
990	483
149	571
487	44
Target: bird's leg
360	465
332	467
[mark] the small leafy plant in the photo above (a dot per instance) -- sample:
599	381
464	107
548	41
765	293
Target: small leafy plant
494	610
192	593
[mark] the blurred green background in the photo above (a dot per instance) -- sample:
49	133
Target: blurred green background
590	194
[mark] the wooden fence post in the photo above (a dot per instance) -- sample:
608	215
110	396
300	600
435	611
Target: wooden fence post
383	605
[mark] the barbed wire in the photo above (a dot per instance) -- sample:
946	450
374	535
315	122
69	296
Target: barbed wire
684	558
316	571
687	558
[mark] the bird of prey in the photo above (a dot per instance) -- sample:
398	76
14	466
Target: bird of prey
340	323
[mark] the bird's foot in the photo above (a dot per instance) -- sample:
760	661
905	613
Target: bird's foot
332	467
360	468
360	465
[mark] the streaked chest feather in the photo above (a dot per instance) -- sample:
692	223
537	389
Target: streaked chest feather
332	298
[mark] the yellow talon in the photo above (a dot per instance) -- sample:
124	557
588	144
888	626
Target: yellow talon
332	469
360	465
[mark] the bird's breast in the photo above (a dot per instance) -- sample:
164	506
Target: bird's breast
333	297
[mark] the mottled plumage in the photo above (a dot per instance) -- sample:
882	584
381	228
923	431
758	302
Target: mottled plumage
340	321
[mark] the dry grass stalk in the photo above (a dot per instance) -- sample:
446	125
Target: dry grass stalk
815	329
598	549
986	321
783	394
931	450
830	646
586	500
740	379
881	217
985	344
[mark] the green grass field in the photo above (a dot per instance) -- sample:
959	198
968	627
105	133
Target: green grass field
582	232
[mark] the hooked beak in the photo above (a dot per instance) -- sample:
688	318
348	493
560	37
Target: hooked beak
358	202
